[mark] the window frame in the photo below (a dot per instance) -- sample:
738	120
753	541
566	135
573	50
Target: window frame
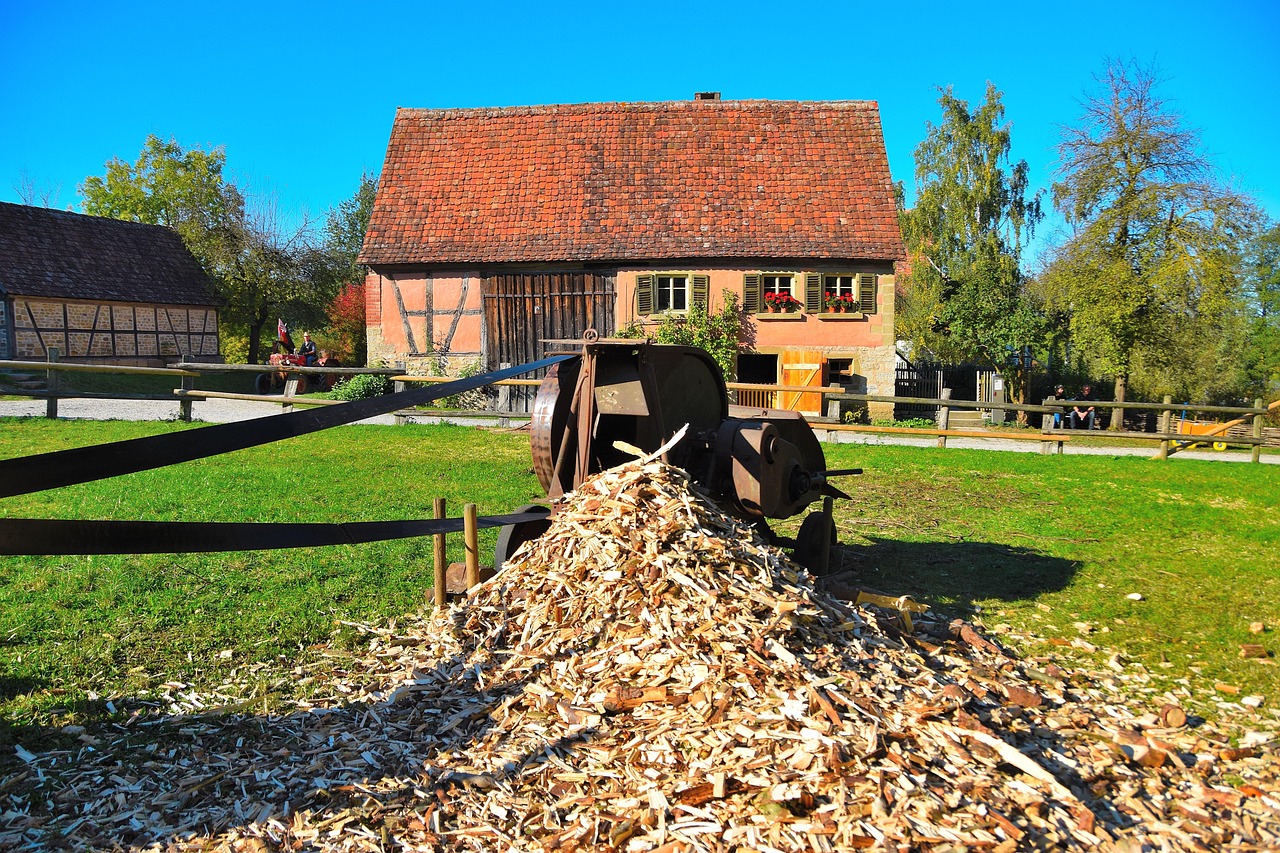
862	286
697	289
754	290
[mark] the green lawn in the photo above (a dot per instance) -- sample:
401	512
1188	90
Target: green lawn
1043	544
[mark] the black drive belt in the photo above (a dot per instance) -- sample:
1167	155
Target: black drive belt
28	474
49	537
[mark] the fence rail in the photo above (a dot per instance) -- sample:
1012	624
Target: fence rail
750	395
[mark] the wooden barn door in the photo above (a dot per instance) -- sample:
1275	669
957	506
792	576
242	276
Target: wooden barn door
801	368
522	310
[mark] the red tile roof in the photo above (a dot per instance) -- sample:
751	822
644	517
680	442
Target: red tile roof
641	181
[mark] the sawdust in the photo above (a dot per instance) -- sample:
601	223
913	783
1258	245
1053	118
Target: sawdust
651	676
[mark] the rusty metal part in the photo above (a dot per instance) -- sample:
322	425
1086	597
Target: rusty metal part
760	463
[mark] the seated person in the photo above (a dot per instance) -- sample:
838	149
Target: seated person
1083	417
1059	396
308	349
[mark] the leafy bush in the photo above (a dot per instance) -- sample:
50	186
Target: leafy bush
362	387
477	399
909	423
719	334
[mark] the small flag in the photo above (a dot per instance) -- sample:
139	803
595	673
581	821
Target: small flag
282	331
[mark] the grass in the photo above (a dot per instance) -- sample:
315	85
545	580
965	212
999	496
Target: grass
1042	544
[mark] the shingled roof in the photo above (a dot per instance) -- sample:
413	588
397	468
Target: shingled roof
639	181
62	255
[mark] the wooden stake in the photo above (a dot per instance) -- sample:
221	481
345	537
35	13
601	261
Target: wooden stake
471	535
441	568
944	417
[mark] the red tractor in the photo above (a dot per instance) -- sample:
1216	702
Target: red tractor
283	355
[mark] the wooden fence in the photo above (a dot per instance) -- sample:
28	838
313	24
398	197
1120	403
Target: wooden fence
1244	429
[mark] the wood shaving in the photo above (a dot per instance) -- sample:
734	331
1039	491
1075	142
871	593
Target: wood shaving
651	676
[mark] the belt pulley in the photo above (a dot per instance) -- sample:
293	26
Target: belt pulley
44	537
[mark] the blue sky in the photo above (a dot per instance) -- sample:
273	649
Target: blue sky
302	95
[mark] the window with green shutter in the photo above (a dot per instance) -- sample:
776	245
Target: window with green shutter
867	293
702	291
659	293
644	295
813	292
751	293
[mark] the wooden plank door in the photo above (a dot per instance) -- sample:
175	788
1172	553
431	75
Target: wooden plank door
523	310
801	368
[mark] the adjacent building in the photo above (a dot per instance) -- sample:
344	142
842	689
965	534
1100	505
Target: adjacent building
497	229
100	290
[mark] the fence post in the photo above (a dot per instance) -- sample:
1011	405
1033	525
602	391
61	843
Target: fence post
188	383
290	391
1256	455
1046	427
441	569
1165	417
398	387
944	416
52	355
471	535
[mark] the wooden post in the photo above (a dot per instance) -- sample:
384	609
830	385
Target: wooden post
290	391
188	383
1165	417
441	567
398	387
1256	455
471	537
52	355
944	417
1046	426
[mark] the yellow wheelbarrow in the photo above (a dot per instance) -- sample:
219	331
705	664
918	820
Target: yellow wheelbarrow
1189	427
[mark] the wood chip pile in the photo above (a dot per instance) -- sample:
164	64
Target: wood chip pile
650	676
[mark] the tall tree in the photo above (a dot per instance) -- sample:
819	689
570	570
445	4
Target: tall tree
183	189
260	270
344	228
1153	263
1263	295
965	298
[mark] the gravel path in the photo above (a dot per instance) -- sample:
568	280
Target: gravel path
226	411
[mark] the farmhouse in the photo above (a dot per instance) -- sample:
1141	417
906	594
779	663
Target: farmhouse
100	290
496	229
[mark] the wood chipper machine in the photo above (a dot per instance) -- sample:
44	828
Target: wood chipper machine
758	464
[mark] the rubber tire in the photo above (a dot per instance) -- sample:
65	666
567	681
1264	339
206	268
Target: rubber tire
809	543
511	537
262	383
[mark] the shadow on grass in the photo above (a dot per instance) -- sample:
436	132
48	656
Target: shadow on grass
952	575
207	773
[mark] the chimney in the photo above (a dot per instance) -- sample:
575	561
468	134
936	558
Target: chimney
706	96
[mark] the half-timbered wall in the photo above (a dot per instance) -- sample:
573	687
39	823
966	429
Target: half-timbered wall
113	331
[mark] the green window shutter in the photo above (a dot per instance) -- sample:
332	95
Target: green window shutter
701	292
867	293
813	292
751	293
644	295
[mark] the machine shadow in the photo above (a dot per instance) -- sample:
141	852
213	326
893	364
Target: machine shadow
223	770
951	574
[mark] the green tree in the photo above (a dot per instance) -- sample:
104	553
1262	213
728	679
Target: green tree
259	270
345	226
1151	276
344	231
1263	298
182	189
965	298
